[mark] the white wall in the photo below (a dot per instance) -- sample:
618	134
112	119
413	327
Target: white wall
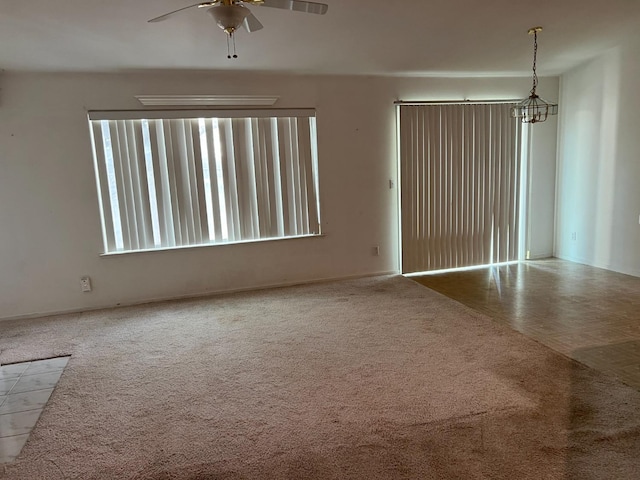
49	224
541	173
598	167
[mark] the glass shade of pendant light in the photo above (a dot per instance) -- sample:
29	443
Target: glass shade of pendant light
534	109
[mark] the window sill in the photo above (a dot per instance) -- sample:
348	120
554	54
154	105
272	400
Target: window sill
207	245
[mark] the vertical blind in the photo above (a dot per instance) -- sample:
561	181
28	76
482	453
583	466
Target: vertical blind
169	182
460	171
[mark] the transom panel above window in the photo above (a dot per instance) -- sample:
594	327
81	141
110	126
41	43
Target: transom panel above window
169	179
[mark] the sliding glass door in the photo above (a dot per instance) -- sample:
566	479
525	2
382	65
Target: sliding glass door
460	167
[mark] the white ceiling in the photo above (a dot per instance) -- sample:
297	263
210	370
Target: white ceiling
414	37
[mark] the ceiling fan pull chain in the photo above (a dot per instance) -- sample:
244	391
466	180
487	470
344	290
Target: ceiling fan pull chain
234	46
231	38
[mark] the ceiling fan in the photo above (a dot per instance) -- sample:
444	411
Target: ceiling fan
230	15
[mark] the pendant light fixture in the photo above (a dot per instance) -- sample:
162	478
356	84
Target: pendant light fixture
534	109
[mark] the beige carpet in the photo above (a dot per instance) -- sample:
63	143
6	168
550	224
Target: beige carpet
363	379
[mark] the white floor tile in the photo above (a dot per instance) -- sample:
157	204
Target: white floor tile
13	371
18	423
10	447
22	402
7	385
25	389
36	382
46	366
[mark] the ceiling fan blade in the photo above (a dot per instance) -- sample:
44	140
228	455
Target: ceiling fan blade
167	15
297	6
251	23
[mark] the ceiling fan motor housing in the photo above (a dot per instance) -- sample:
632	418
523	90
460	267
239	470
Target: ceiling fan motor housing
229	17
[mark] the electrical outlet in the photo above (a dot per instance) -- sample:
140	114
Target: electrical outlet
574	236
375	251
85	284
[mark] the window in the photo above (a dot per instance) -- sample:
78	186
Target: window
177	179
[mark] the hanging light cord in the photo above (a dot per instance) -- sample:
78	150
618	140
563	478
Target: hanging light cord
535	57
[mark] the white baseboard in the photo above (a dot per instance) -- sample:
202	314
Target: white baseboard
197	295
539	256
605	266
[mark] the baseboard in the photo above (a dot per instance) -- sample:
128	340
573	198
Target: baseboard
539	256
605	266
208	293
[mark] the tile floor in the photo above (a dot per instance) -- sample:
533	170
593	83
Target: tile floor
588	314
24	391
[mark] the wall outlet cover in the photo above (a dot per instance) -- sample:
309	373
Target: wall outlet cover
85	284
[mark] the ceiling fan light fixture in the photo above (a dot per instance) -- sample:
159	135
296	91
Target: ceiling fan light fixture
534	109
229	17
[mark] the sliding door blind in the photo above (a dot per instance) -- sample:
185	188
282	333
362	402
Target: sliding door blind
175	182
460	171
